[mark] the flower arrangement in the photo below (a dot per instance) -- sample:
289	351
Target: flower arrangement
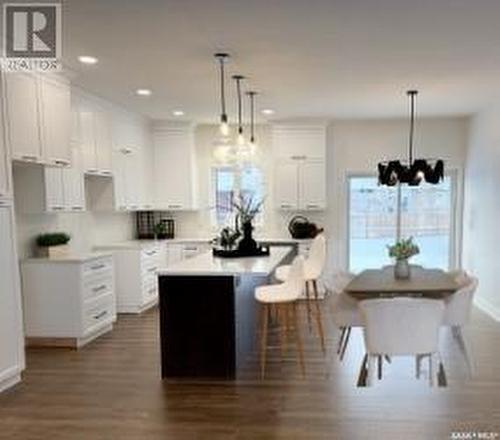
403	249
246	208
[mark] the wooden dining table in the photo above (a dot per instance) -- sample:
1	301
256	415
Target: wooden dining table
381	283
423	282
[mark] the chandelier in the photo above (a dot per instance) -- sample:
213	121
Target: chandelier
413	172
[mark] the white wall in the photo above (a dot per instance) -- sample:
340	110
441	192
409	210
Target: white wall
352	147
482	208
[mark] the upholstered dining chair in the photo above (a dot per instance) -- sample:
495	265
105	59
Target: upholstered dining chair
457	314
402	327
283	297
313	268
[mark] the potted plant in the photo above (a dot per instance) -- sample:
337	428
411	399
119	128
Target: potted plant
52	244
402	251
246	211
227	238
160	230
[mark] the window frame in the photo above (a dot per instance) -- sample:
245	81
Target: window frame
455	215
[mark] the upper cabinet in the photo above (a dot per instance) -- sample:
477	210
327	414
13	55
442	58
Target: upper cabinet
300	172
95	136
299	141
37	116
175	182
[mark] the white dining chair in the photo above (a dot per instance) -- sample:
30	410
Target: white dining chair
313	268
344	310
283	298
458	307
402	327
460	276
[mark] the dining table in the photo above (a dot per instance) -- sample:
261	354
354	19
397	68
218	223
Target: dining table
381	283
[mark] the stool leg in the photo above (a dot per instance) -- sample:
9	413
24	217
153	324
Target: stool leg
285	328
298	338
308	302
318	317
263	338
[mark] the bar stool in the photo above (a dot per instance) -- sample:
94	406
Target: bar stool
283	297
313	267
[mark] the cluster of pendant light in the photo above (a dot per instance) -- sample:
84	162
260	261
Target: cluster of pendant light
415	171
239	149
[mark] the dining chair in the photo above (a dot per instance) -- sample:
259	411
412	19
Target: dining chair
460	276
344	310
402	327
283	298
458	307
313	268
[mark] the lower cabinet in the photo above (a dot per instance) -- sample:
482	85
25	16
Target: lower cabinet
136	280
11	331
68	301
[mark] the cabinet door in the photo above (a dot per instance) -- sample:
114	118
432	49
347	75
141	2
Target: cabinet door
55	121
87	136
22	117
54	189
103	143
299	142
286	186
120	179
135	177
11	349
73	182
312	178
5	182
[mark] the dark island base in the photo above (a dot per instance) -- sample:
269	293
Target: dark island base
207	324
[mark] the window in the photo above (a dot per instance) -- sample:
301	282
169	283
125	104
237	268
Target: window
378	215
230	182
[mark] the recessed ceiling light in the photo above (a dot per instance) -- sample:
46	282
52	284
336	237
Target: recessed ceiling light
143	92
268	111
87	59
178	113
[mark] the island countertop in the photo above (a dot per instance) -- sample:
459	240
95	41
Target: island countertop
207	265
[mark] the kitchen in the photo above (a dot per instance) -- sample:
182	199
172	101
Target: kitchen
126	171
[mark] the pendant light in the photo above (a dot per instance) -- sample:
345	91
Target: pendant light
253	146
394	172
222	58
240	138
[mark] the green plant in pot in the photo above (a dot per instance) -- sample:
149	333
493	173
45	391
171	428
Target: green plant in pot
402	251
52	244
246	210
160	230
227	238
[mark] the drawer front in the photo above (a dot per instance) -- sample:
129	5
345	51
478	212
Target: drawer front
94	287
98	311
151	252
98	268
150	292
149	269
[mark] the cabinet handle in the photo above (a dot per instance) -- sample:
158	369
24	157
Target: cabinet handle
153	269
2	203
91	171
284	205
312	206
175	206
61	162
106	173
99	288
299	157
29	157
57	208
101	315
150	253
98	266
77	208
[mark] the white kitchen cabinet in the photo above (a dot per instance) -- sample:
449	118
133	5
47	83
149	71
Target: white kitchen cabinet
300	185
136	264
286	184
49	189
38	118
55	121
68	301
22	108
299	141
5	176
11	331
182	251
175	177
96	144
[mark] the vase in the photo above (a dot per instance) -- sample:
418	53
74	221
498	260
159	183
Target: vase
402	269
247	244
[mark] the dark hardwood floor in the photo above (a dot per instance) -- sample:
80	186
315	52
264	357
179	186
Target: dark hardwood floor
112	390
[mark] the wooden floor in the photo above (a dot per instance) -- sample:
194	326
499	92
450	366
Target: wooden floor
112	390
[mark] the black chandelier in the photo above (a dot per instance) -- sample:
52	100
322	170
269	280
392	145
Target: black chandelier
393	172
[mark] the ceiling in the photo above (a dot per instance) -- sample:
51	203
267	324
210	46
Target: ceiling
315	58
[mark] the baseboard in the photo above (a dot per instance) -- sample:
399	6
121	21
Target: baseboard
487	307
135	308
9	378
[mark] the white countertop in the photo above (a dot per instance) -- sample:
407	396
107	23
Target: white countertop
70	258
206	264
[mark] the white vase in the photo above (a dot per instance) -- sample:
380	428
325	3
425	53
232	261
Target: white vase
402	269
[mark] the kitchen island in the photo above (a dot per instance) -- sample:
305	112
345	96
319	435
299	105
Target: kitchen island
208	312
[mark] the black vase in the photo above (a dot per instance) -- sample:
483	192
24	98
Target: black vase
247	244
